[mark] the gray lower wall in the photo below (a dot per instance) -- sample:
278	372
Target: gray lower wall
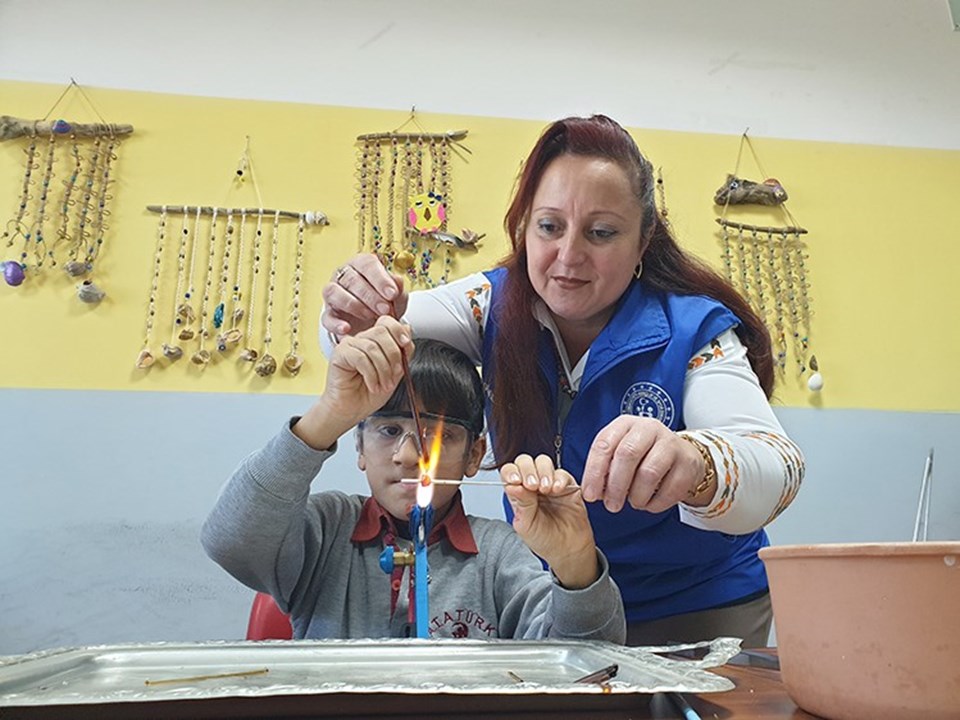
103	495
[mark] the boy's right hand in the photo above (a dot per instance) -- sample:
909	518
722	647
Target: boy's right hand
363	373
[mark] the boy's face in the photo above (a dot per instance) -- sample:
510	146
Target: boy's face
388	454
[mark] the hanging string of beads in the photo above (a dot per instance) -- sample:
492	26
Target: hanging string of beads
69	185
249	354
267	365
146	358
234	335
218	311
202	356
172	350
293	362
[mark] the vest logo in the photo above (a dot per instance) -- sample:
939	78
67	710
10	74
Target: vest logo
647	399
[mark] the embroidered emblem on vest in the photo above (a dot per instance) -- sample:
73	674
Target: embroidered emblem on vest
648	399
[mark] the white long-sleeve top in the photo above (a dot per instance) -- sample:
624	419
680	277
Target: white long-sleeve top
759	468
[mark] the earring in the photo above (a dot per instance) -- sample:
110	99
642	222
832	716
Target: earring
639	270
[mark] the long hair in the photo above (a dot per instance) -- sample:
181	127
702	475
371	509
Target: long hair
520	414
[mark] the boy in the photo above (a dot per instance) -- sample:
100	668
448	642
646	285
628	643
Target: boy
318	555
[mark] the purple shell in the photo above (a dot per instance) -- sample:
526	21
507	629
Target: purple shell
62	127
13	272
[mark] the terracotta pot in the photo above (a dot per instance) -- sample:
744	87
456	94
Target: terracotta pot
869	630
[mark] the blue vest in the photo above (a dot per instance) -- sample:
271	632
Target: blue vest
637	365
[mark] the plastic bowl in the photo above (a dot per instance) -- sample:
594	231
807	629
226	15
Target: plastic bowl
869	630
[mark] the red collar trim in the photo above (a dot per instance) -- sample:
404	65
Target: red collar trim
375	522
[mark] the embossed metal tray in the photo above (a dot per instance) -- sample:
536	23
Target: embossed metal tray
328	678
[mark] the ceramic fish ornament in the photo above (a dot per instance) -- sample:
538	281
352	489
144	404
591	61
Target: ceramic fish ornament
467	239
737	191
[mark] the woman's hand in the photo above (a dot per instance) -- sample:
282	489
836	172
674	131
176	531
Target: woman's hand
640	461
362	375
360	291
550	517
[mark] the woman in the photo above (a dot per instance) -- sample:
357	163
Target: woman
631	364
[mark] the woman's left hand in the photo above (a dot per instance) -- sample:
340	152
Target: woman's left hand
640	461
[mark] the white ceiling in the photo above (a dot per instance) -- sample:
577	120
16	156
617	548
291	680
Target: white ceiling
867	71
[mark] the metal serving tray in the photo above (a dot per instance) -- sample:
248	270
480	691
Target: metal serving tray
335	677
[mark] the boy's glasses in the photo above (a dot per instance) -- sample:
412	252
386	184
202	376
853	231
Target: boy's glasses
386	435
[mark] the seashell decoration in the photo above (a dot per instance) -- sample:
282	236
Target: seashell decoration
200	357
145	359
13	273
75	268
292	363
172	352
267	366
90	293
186	334
404	260
248	354
233	336
186	312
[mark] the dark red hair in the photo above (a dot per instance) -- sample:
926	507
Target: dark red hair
520	405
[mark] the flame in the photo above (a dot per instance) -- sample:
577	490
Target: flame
428	468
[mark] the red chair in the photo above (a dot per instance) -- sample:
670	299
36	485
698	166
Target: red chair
267	621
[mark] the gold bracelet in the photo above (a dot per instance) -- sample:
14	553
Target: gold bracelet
709	472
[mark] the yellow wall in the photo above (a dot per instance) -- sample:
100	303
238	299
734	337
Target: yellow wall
882	242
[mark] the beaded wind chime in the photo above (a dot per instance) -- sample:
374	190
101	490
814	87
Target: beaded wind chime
405	222
219	301
62	213
767	265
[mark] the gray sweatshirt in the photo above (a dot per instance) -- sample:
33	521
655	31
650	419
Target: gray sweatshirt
270	533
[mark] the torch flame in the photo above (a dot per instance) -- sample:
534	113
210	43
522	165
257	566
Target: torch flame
428	468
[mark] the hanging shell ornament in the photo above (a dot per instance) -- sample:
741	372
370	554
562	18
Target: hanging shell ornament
404	260
145	359
466	239
88	292
172	352
13	273
200	357
267	366
76	268
248	355
233	336
186	334
292	363
186	312
237	315
815	381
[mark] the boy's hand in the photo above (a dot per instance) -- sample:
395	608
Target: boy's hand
551	518
364	371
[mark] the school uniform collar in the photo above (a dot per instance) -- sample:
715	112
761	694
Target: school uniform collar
376	522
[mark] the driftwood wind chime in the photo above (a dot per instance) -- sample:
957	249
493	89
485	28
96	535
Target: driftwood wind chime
403	199
62	214
767	264
226	261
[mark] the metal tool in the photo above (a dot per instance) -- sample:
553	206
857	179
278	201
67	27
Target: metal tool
920	526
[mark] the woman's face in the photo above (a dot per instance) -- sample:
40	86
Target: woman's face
583	239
